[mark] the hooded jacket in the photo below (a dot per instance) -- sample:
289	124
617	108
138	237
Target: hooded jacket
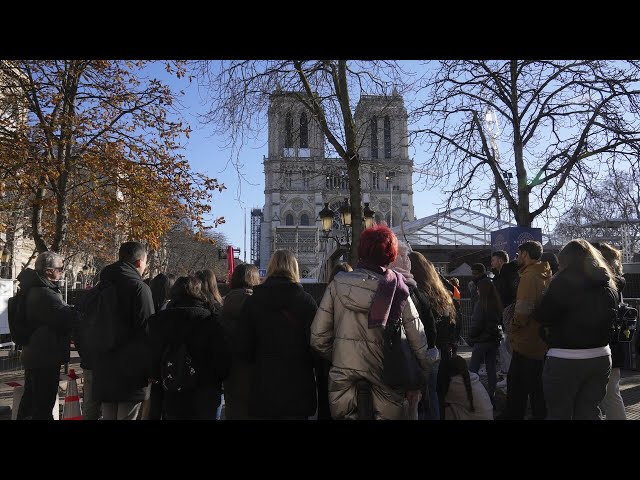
121	375
50	319
272	333
524	336
457	406
577	309
341	334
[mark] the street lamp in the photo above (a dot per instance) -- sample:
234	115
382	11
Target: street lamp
326	216
345	213
368	216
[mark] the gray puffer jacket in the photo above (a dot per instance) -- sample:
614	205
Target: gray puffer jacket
341	334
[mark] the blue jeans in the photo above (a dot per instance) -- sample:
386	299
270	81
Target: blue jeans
485	353
432	412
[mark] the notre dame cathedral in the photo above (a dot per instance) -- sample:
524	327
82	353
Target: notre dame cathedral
300	178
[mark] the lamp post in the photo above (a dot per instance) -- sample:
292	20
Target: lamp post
369	216
327	217
389	178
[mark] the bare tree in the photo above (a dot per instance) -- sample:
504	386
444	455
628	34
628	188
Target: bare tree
618	198
186	251
549	121
240	92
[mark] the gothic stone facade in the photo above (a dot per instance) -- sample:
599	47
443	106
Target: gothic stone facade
299	178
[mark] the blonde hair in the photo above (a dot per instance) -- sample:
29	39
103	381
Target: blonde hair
283	263
612	255
583	257
428	280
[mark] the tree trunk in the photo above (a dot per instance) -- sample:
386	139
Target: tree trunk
523	216
36	221
10	244
355	199
62	216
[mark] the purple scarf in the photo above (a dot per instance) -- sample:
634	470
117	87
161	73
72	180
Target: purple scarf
389	299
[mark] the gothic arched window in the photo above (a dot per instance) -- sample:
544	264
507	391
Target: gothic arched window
387	137
304	131
288	220
374	137
288	127
304	220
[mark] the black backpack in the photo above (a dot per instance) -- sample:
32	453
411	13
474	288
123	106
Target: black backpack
178	371
625	322
17	313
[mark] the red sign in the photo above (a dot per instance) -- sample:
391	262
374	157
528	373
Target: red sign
230	262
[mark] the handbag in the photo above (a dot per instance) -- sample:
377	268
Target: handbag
400	368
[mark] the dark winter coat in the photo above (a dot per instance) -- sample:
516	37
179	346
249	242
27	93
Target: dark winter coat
238	384
506	282
189	320
485	326
273	333
576	310
121	375
427	316
50	320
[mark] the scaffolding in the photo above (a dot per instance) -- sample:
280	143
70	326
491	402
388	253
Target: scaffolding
256	221
622	225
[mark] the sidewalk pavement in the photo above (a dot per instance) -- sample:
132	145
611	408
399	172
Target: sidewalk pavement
629	388
13	374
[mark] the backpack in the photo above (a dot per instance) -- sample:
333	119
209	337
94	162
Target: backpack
624	323
99	320
17	312
178	371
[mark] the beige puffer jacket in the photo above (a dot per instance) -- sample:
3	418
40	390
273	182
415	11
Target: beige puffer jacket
341	334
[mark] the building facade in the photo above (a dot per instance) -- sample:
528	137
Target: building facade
300	178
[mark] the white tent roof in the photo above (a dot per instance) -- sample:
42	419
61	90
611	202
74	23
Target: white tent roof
459	226
462	270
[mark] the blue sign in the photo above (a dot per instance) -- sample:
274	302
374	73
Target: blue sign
509	239
262	272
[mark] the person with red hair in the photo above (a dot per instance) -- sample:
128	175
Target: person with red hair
349	326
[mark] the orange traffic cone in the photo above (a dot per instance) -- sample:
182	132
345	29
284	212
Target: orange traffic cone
72	399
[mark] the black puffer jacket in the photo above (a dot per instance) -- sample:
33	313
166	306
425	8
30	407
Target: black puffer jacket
50	319
122	375
190	321
273	332
577	309
485	326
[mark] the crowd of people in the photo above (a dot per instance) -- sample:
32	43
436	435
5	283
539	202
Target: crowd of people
170	348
